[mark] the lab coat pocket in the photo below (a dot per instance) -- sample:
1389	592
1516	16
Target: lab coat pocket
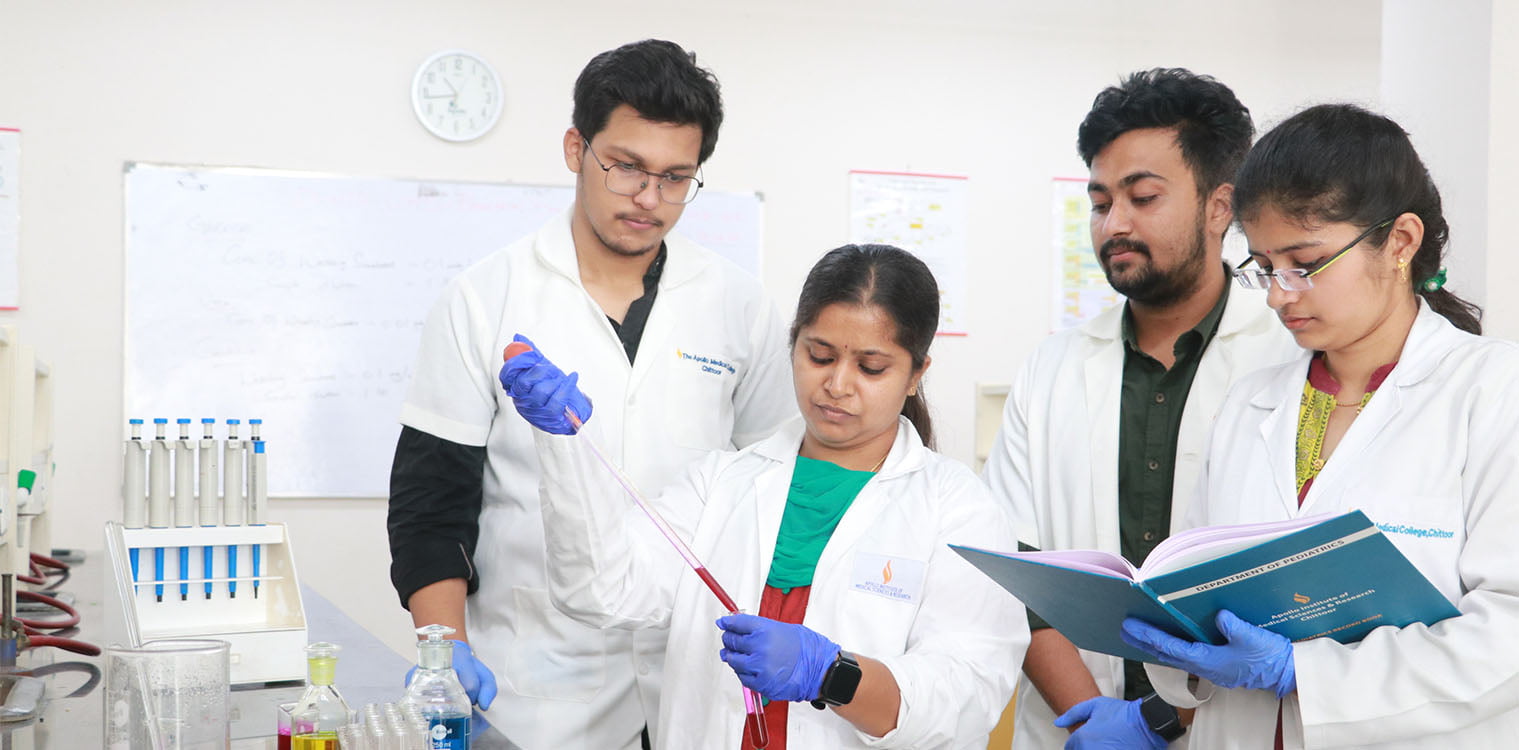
553	656
701	397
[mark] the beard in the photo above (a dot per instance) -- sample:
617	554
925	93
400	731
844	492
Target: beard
1148	284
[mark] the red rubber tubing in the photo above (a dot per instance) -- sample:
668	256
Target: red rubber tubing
52	602
67	644
48	562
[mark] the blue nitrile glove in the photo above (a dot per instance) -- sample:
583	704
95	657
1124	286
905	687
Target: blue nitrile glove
778	660
1111	724
478	681
541	392
1253	658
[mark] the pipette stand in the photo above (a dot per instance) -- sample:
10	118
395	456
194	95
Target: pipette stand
267	632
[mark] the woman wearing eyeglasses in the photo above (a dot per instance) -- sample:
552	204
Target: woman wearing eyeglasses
1398	409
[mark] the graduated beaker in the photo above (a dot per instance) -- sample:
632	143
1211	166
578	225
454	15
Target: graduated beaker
167	695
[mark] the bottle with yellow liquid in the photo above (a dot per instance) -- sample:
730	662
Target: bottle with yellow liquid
321	710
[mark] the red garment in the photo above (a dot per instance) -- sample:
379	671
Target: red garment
1321	380
785	608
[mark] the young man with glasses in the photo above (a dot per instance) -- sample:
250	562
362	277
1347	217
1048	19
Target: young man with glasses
680	350
1104	429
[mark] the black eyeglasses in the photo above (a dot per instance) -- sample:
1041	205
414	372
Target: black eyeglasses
627	179
1295	279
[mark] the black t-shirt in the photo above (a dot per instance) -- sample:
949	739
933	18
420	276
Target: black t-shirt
437	486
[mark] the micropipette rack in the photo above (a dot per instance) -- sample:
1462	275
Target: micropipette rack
267	633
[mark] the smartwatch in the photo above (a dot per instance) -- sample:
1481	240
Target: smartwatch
839	682
1161	717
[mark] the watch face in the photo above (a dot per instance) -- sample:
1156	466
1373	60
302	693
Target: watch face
842	679
456	95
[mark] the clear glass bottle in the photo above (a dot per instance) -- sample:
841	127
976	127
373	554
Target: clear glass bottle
321	710
436	693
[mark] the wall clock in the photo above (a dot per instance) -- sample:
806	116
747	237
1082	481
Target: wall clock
456	95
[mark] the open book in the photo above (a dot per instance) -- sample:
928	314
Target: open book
1334	576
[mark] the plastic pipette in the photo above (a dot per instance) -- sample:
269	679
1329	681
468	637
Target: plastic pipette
208	459
134	493
184	496
232	497
158	497
759	734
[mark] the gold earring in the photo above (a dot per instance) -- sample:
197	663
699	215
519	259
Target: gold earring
1403	270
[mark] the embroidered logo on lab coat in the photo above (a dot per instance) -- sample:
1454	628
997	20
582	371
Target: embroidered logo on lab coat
1420	532
711	365
895	578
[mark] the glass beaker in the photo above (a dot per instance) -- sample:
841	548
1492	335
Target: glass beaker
167	695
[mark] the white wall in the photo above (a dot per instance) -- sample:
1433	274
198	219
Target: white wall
1436	68
989	89
1502	314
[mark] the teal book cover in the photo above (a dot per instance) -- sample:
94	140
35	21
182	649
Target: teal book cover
1336	577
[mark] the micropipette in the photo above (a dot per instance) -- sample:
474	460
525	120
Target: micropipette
232	498
158	497
258	495
134	493
759	734
184	496
207	488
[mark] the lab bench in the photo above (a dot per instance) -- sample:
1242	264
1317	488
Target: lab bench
73	715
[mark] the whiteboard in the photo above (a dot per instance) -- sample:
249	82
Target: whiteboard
299	299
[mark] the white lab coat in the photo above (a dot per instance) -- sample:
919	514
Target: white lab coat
887	586
1433	461
712	372
1055	462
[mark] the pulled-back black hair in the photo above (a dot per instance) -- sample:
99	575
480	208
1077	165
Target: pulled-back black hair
1212	127
655	77
888	278
1341	163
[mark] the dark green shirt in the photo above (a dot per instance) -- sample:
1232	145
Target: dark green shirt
1149	422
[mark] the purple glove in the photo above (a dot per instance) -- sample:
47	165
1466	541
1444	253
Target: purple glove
540	391
1253	658
1111	724
778	660
478	681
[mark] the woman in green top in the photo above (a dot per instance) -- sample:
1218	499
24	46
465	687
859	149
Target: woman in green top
834	530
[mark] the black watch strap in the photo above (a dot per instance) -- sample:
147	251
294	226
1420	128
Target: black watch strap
1161	717
840	681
